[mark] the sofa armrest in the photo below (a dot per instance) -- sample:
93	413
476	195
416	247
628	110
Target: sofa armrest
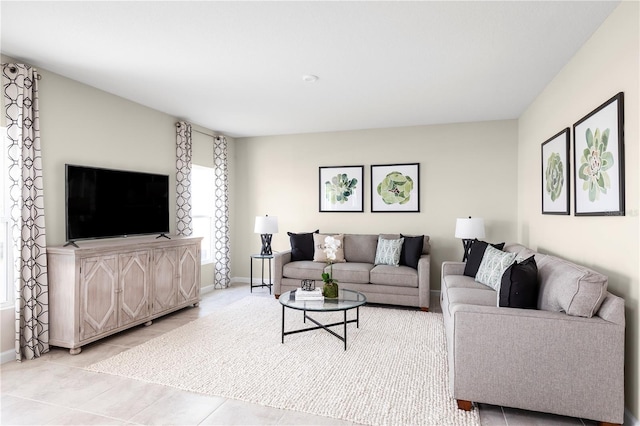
452	268
424	286
537	360
280	259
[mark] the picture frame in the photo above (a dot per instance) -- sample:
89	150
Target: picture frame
395	188
598	158
556	174
341	189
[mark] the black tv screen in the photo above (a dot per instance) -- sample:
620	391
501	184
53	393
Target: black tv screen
103	203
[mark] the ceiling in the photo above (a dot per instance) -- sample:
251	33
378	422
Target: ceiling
238	67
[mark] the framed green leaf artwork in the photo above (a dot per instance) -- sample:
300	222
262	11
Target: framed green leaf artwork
341	189
555	174
395	188
598	154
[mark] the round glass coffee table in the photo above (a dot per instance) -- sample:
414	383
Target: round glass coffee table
346	300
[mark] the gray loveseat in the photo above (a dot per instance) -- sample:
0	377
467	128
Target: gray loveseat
386	284
566	357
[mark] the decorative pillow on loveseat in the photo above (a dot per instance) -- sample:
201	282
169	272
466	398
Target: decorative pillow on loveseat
320	256
388	251
519	285
301	245
411	250
494	263
476	252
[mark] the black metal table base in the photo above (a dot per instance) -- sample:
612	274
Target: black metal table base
262	282
324	326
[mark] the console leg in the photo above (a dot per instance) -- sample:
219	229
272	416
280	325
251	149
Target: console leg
75	351
148	323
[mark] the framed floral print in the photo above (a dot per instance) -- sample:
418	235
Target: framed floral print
555	174
395	188
598	153
341	189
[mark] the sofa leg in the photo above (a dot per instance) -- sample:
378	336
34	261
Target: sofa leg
464	405
277	296
424	309
608	424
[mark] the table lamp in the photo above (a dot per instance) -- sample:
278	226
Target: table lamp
468	230
266	226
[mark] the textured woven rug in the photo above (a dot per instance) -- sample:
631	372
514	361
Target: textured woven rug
394	371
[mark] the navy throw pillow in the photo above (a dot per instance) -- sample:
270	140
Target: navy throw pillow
475	256
302	245
411	250
519	287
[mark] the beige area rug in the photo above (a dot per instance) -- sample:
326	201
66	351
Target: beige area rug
394	371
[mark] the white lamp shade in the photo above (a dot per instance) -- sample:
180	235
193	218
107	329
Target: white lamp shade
469	228
266	225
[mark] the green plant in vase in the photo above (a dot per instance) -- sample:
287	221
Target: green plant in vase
330	287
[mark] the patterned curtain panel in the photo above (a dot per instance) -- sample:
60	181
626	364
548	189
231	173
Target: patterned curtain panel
183	179
221	255
20	90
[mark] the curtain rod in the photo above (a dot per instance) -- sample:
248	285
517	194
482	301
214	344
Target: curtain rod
198	131
14	69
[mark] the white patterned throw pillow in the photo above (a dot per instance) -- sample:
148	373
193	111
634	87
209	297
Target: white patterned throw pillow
388	251
494	263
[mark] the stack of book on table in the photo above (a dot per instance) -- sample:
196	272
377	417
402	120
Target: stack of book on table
310	295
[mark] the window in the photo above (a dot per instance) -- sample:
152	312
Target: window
6	258
202	208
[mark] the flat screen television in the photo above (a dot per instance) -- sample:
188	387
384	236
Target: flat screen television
103	203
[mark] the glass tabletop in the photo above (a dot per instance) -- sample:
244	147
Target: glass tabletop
347	299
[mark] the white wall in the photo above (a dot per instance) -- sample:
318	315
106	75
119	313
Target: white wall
465	169
605	65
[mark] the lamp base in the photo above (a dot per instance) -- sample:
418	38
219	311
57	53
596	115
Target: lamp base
266	245
466	243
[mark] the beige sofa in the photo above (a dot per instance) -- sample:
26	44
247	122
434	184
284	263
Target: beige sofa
542	360
394	285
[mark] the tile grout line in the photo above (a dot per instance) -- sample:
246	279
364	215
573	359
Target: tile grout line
51	404
504	416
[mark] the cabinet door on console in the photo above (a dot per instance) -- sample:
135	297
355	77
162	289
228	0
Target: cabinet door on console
189	278
165	273
98	304
134	286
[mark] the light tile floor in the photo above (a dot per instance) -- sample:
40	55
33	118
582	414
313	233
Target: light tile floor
55	390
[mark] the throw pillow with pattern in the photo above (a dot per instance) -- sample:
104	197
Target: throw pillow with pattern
388	251
494	263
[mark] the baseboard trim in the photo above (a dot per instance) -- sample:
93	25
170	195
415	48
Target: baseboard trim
245	280
629	420
7	356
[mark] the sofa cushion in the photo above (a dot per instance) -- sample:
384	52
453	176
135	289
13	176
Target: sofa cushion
570	288
360	248
301	245
319	241
411	250
523	252
351	272
388	251
476	252
519	285
303	269
494	263
399	276
471	296
462	281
